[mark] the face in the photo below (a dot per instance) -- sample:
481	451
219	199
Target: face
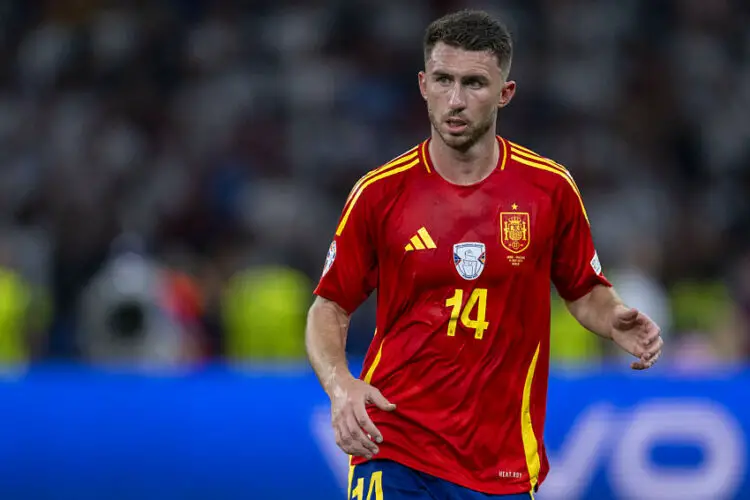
463	89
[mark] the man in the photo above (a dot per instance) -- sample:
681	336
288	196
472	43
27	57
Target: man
451	402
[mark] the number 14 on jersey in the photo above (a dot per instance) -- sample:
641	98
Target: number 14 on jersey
460	311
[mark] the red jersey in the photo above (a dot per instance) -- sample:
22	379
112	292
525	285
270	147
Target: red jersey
463	279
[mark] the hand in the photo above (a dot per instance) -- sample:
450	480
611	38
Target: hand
351	421
637	334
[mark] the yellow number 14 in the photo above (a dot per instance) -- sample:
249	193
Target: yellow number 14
478	299
376	486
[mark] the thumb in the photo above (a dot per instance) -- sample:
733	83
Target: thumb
625	317
377	398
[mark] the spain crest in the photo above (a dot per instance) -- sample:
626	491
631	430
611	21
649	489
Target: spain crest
515	231
469	259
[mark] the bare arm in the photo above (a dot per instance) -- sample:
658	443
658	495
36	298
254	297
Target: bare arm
604	313
595	310
325	339
349	276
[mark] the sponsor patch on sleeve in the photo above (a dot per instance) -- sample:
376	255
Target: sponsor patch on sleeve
329	258
595	264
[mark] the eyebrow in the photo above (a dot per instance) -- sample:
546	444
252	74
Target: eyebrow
470	76
475	76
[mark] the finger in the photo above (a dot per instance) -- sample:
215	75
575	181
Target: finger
638	365
343	438
648	346
337	435
360	443
644	364
654	348
362	436
653	360
376	397
628	314
357	434
650	337
639	349
364	421
351	447
650	329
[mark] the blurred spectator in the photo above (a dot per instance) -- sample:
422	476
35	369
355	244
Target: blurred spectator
24	313
704	315
265	309
637	283
571	345
131	316
202	125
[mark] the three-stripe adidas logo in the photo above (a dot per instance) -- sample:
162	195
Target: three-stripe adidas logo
420	241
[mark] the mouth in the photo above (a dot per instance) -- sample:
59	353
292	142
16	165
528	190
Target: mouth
456	125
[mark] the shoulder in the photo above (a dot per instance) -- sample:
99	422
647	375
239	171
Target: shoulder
544	172
389	176
529	163
392	172
382	182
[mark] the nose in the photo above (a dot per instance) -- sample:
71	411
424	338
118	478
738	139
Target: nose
456	99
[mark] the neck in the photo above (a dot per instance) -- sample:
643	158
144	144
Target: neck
465	167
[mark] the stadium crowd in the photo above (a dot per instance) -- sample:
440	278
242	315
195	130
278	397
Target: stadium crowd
171	172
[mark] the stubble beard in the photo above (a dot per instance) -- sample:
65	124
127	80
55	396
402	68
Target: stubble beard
464	142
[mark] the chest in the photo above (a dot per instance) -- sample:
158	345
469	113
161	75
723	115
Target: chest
484	235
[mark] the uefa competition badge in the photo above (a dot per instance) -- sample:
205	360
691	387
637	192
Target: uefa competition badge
469	259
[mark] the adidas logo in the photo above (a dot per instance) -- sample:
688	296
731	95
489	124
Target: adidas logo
420	241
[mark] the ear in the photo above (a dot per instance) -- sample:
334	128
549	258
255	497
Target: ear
422	77
509	90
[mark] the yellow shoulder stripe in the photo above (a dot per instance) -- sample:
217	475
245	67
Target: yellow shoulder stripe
537	158
564	174
358	192
529	154
526	150
399	160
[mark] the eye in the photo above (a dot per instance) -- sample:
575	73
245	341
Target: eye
474	84
443	79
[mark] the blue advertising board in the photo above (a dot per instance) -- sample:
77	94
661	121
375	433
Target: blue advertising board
74	433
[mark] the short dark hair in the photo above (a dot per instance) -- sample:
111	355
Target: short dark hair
474	30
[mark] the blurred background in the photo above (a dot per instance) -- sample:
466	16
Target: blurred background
171	173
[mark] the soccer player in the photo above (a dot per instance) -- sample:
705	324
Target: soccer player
461	236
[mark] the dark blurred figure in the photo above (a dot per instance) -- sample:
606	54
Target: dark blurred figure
199	124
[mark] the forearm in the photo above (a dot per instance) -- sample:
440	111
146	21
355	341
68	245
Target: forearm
595	310
325	340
